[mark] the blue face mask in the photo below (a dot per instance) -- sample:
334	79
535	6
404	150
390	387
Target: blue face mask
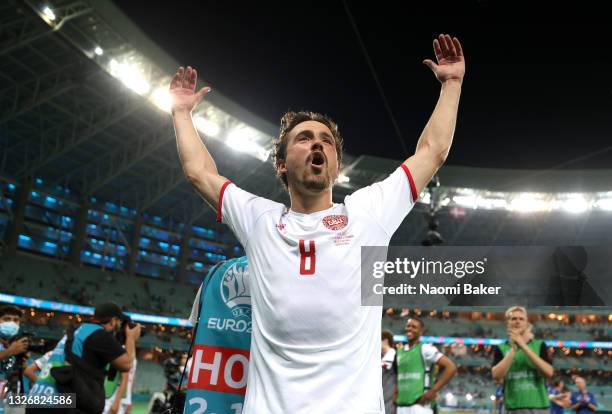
9	329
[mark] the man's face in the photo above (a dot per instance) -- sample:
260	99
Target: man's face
518	321
311	161
115	325
10	318
580	383
413	329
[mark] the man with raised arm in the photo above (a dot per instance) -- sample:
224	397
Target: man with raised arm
314	347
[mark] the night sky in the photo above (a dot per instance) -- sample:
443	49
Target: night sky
537	94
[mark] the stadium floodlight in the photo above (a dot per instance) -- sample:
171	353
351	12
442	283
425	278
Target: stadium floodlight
130	75
529	203
99	51
493	203
206	126
243	139
48	12
343	179
469	201
162	99
573	203
604	203
468	396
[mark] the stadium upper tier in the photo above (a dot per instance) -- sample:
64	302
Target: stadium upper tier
83	110
88	286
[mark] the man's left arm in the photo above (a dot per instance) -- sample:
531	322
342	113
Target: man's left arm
120	393
437	136
543	366
449	369
592	402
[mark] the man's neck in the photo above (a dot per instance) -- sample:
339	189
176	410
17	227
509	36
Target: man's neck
385	349
308	202
413	342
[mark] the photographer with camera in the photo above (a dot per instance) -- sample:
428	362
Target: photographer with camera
80	359
118	388
12	353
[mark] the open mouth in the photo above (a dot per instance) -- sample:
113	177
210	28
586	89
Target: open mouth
318	159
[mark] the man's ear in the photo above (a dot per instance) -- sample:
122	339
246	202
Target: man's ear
281	166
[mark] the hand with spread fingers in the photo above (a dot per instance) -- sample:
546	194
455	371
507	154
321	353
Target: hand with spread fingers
450	64
183	92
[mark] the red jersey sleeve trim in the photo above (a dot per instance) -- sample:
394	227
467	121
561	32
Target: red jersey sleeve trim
411	181
223	187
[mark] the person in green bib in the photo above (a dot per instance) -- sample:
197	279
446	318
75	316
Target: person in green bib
414	392
523	365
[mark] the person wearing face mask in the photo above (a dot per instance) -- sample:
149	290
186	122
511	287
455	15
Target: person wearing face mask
10	319
79	360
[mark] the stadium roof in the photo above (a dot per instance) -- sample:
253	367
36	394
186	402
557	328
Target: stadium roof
67	116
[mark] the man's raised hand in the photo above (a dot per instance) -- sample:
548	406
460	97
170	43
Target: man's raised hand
182	90
449	55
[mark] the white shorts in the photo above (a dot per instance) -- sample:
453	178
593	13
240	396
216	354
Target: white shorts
415	409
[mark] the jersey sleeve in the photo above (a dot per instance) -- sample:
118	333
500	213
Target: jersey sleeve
388	201
574	397
544	354
431	355
240	209
104	345
497	356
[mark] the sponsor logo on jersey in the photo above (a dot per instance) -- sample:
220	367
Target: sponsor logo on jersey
335	222
234	291
234	325
220	369
280	226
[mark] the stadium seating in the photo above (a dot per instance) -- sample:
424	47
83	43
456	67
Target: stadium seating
87	286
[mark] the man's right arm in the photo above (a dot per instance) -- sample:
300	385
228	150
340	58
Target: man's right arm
500	369
574	403
125	361
14	348
198	165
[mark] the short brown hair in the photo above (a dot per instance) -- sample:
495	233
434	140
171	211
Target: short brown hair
388	335
289	121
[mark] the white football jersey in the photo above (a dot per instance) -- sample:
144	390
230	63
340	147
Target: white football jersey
314	348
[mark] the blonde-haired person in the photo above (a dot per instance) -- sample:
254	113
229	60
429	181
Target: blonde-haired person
523	365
